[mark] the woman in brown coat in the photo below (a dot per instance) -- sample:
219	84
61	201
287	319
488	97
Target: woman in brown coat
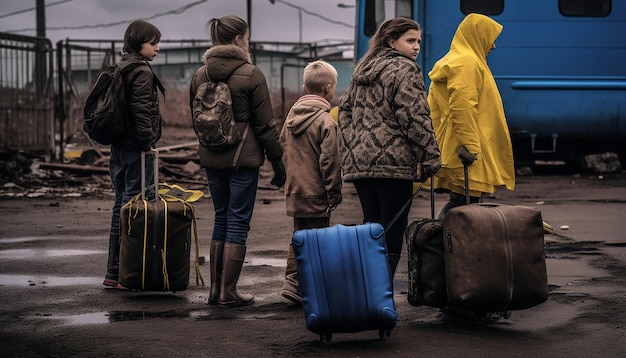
233	187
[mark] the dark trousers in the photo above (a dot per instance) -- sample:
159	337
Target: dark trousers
381	200
125	171
310	223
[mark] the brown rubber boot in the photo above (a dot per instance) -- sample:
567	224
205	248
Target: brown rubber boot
290	288
216	256
234	256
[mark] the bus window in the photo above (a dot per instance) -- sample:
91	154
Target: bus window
377	11
485	7
586	8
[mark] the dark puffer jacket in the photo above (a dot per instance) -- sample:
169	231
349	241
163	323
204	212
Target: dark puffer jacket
384	121
142	101
251	103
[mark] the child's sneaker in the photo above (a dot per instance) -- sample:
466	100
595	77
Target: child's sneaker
110	282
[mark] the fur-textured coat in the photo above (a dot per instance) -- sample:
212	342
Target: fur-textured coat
384	121
251	104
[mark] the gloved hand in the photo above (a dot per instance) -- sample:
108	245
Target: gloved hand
280	176
334	199
466	157
424	172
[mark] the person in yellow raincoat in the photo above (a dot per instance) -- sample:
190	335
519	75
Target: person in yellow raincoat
468	116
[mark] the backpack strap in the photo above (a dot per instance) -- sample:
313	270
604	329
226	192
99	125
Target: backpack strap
240	146
158	83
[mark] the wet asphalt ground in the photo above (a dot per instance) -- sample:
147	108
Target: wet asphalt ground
53	256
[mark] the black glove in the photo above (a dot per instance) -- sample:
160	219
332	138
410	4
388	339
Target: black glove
279	173
467	158
424	172
334	199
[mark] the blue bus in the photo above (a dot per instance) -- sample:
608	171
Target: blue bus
560	66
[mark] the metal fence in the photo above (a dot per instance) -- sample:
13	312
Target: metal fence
27	94
59	104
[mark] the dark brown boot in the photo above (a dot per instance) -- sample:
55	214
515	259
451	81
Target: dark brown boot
234	256
113	262
216	256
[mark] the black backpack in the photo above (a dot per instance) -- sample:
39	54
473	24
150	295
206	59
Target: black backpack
212	116
105	108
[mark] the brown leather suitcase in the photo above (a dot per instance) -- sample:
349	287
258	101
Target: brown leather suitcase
494	257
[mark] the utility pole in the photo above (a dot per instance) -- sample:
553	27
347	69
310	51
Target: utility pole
39	77
41	18
249	15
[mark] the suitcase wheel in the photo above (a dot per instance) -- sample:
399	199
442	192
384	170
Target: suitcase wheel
384	333
326	337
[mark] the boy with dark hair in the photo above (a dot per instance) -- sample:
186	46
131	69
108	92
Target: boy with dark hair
141	44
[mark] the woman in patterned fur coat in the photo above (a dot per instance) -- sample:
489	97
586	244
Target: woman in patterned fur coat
386	134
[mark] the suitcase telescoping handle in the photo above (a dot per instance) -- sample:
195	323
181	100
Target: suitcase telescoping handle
408	202
154	152
466	175
432	197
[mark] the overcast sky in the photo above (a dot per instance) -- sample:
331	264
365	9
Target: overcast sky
185	19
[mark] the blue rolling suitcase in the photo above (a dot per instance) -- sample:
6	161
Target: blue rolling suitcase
345	280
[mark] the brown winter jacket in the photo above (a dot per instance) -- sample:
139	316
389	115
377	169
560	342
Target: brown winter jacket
384	121
251	104
311	158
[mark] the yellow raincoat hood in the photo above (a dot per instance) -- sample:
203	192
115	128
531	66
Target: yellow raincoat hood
466	109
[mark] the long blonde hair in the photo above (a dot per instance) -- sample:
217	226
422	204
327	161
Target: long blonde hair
389	30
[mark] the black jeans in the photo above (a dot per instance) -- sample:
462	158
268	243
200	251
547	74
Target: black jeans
381	200
310	223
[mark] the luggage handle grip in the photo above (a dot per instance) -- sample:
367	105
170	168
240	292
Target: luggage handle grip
154	152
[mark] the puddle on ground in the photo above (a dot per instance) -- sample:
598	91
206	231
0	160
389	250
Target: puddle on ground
79	319
47	281
572	275
116	316
13	240
122	316
24	254
266	261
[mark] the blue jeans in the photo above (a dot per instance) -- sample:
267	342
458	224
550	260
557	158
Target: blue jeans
125	171
233	193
